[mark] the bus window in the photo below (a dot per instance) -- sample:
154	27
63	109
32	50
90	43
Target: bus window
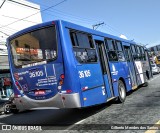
120	51
143	54
73	38
111	45
91	55
33	47
133	49
138	52
83	41
112	55
119	46
83	47
81	55
134	52
127	55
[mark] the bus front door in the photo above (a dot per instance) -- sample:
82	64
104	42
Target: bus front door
131	67
105	68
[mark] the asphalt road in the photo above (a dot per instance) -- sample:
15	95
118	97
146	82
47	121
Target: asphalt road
141	107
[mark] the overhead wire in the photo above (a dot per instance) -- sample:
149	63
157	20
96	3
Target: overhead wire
8	29
34	14
64	15
2	4
67	16
4	33
23	4
18	19
77	18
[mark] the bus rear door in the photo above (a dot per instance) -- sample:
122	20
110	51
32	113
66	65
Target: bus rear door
101	48
131	66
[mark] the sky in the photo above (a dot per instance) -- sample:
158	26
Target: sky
138	20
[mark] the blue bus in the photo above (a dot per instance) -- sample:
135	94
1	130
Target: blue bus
63	65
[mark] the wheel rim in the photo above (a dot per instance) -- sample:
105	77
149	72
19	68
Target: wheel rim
122	91
6	108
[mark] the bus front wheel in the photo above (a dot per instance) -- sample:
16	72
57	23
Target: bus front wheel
121	91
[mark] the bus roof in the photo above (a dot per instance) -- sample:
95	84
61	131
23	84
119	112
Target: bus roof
71	26
94	32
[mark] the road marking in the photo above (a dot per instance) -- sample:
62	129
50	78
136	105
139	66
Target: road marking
69	128
153	131
5	115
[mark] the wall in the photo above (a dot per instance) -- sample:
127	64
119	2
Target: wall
12	14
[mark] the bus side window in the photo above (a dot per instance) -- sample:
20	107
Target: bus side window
83	47
135	56
92	57
143	54
111	50
81	55
73	39
139	52
127	55
120	51
83	40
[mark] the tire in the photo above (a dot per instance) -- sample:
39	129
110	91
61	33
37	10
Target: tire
121	92
7	108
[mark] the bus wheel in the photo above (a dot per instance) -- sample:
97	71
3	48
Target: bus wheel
121	91
7	108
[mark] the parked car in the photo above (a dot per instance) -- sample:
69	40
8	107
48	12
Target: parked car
155	69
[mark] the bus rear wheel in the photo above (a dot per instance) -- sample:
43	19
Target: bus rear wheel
7	108
121	91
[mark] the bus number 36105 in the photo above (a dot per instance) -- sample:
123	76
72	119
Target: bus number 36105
84	74
35	74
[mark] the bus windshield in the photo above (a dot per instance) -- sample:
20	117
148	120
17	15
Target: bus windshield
36	46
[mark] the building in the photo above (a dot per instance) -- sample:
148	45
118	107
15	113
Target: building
155	49
15	15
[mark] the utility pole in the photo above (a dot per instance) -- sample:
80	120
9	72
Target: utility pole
97	25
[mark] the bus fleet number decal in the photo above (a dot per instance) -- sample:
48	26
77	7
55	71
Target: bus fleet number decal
35	74
84	74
